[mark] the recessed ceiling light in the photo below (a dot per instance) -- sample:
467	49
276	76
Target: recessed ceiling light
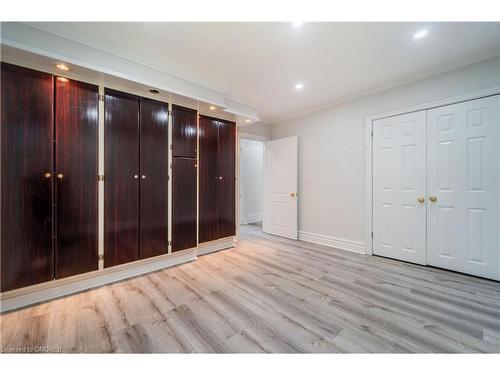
62	79
154	91
212	108
420	34
247	120
62	67
297	23
299	86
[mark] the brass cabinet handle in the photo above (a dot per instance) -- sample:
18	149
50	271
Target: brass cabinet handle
293	194
136	176
60	176
47	175
220	177
143	176
433	198
421	199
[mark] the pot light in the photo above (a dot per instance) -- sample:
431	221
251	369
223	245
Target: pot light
420	34
247	120
299	86
62	67
212	108
297	23
154	91
62	79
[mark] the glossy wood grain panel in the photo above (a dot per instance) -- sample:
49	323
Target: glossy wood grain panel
27	154
226	153
153	220
184	135
76	123
183	203
121	188
208	176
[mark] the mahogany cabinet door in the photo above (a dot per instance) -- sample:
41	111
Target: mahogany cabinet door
183	203
153	202
226	154
208	180
27	124
121	171
184	132
76	123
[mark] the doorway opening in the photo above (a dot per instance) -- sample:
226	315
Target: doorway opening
251	183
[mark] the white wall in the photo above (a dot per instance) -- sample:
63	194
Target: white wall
332	152
257	128
251	180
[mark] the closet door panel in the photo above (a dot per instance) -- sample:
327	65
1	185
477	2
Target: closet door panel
208	175
26	197
184	131
226	154
153	234
121	169
184	203
76	177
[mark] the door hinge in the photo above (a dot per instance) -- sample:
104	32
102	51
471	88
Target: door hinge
372	234
101	97
100	257
171	146
100	177
372	133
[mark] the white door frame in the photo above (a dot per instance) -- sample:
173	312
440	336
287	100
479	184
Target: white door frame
254	137
494	90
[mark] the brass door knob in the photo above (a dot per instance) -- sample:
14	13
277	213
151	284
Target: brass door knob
136	176
293	194
60	175
47	175
421	199
433	198
143	176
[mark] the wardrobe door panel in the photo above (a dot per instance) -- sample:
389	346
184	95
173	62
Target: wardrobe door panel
76	126
184	132
121	169
209	177
226	154
27	156
153	233
183	203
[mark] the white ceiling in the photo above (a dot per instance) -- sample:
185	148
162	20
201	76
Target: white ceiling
259	63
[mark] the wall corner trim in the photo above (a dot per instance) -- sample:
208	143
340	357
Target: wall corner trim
338	243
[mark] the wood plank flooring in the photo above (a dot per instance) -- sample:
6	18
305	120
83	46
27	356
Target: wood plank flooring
271	295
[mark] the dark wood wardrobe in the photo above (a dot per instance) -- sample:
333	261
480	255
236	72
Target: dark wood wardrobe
217	176
184	177
49	177
136	178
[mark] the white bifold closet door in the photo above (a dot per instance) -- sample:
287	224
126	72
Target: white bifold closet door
436	188
463	171
399	188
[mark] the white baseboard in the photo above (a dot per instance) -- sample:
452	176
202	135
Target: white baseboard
57	288
252	218
220	244
338	243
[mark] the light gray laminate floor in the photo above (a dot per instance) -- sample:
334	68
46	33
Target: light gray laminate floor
272	295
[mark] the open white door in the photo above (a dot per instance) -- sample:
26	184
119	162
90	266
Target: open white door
280	206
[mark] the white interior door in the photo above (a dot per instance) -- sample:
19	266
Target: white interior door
280	206
399	187
463	179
